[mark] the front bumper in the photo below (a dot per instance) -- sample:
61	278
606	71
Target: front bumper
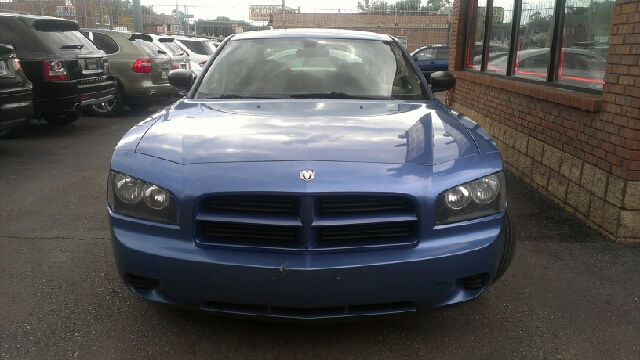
306	285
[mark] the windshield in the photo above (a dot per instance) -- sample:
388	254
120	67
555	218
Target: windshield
202	47
334	68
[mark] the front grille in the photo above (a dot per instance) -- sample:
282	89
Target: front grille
307	222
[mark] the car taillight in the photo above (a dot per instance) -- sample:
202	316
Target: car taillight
142	66
176	66
16	64
55	70
202	63
106	67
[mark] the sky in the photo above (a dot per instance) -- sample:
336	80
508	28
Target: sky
239	9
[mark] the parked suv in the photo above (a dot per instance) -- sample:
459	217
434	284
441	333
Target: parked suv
140	67
179	57
16	107
67	71
198	49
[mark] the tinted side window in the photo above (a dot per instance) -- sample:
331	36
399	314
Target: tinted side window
105	43
443	54
427	54
14	32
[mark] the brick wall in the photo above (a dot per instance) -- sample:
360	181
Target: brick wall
581	150
419	30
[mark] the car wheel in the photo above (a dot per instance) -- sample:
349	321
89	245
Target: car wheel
16	132
110	108
63	118
508	248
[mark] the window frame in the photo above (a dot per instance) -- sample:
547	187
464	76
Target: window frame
555	50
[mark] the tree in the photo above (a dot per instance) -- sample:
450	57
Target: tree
222	18
435	5
180	13
368	6
147	10
381	5
407	5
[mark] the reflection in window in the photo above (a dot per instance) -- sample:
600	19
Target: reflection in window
501	23
476	32
582	51
587	27
535	34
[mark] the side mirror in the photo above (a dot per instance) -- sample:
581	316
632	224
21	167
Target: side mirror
181	79
442	80
415	57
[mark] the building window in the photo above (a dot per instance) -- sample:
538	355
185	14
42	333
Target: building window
561	43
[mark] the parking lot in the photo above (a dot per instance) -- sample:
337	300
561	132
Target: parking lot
569	294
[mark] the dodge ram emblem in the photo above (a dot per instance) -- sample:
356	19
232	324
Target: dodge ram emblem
307	175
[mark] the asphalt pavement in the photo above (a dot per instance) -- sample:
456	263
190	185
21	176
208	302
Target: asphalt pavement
569	294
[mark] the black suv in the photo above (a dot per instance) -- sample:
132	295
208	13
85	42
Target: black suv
68	72
16	107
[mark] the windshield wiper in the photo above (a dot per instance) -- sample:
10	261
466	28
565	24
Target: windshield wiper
67	47
240	96
337	95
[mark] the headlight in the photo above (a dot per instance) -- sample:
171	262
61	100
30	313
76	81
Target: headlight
483	197
137	198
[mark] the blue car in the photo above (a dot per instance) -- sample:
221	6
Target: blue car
432	58
309	174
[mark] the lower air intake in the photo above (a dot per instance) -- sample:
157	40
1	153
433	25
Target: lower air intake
473	283
140	283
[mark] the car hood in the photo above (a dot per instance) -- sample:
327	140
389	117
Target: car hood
393	132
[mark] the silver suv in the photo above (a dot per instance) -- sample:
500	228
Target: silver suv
140	66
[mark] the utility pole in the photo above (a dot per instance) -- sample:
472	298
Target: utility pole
84	13
40	8
137	16
186	21
283	23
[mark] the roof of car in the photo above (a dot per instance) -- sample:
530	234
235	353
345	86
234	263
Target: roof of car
434	46
314	33
30	19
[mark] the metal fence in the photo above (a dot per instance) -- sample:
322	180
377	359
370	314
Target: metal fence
413	28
